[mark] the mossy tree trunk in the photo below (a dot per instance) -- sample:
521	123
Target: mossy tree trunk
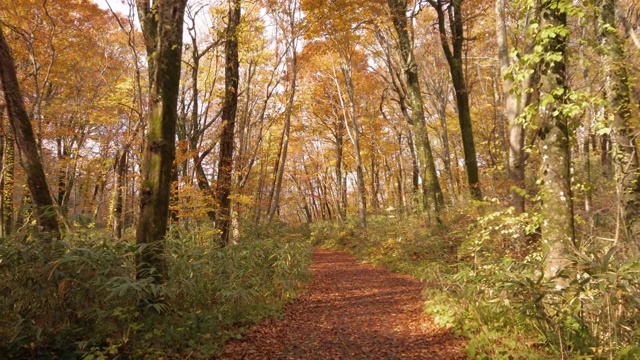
557	200
159	150
46	215
428	173
624	131
229	107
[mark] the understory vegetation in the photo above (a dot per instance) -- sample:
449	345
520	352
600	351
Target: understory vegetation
483	277
82	299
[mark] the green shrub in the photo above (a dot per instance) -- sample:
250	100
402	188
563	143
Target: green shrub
485	282
84	301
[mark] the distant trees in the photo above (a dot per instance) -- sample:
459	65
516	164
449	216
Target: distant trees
328	109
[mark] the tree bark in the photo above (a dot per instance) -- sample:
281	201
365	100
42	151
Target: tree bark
160	147
624	131
7	176
229	107
117	214
46	215
557	200
341	189
511	110
428	173
453	54
287	127
345	66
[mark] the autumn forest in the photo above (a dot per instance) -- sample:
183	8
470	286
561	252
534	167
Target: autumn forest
189	178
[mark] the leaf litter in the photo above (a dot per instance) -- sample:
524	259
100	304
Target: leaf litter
351	311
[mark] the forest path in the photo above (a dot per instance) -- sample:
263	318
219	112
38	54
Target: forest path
351	311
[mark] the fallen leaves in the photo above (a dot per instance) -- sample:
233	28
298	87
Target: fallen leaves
352	311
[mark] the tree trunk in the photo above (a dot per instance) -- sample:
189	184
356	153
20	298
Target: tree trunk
286	130
557	200
117	215
454	59
623	129
229	107
159	151
342	191
345	66
415	171
446	153
428	173
7	175
46	215
511	110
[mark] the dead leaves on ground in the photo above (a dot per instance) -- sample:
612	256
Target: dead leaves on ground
352	311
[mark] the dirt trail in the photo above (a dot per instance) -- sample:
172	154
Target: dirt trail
352	311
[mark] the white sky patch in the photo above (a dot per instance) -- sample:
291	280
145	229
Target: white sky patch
117	5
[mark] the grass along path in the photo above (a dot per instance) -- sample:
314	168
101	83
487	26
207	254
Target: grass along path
351	311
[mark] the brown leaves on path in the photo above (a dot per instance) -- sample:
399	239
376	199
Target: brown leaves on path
352	311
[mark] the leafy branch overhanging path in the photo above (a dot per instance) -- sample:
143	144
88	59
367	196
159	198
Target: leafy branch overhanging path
352	311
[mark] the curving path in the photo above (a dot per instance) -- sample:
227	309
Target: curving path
352	311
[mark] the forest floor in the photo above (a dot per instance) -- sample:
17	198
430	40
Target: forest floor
351	311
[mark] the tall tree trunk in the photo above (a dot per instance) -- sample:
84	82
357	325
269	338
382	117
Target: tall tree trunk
286	130
453	54
196	131
429	176
160	147
511	111
342	191
345	66
557	200
46	215
624	131
229	107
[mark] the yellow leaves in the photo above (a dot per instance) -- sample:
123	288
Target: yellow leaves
242	199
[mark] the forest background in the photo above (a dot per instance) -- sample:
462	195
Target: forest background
185	156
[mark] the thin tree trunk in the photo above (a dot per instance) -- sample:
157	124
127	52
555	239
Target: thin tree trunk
362	205
446	153
229	107
7	183
117	214
46	215
342	191
285	133
453	55
415	171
